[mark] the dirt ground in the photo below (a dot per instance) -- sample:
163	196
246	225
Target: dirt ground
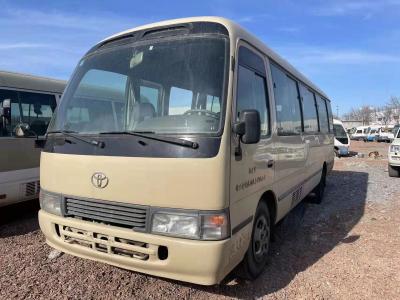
346	248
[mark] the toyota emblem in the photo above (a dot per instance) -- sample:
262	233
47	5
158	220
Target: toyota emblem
99	180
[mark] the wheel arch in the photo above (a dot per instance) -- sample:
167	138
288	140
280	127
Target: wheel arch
270	200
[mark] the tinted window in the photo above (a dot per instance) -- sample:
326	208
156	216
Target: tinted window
150	95
323	115
8	129
251	94
287	104
309	110
330	117
180	101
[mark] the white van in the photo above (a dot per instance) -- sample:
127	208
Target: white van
394	156
360	133
385	134
342	140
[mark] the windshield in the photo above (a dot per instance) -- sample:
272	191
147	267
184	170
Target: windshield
339	131
171	86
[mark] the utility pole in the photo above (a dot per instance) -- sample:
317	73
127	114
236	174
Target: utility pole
337	111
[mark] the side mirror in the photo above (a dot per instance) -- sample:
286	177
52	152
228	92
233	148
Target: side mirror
249	126
22	130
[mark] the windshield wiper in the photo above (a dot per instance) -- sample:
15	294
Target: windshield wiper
156	137
74	135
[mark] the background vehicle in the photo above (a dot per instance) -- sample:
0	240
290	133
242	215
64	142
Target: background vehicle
342	140
372	134
393	133
394	156
385	133
202	148
27	104
360	133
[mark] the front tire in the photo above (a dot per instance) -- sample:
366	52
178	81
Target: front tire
393	171
256	256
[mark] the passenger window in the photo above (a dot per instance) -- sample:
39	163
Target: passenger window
180	101
330	117
150	95
251	94
8	130
310	117
323	115
213	104
287	104
37	110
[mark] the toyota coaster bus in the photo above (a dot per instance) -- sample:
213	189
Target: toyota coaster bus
176	149
27	104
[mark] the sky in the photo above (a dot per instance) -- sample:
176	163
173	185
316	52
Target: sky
349	48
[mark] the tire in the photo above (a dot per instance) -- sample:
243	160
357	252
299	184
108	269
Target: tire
393	171
319	190
256	256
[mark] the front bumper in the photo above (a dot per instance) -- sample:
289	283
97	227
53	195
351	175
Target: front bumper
200	262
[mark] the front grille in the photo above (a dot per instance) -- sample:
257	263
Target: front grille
108	212
343	140
32	188
111	245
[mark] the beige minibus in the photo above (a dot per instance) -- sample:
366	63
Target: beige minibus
177	148
27	104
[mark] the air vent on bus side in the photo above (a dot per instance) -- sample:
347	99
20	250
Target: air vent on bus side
32	188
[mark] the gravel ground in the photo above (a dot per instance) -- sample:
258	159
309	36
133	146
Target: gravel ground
346	248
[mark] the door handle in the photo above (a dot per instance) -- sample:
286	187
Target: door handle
270	163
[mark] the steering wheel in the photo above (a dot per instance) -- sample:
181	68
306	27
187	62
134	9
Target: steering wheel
202	112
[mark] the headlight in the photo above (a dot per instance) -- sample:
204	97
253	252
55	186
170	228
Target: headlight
394	148
50	202
204	226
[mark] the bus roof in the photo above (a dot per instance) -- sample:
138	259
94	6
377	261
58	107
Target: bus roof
235	32
30	82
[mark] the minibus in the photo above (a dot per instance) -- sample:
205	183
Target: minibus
176	149
27	104
342	140
360	134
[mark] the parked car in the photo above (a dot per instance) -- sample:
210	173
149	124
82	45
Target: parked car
342	140
360	133
394	156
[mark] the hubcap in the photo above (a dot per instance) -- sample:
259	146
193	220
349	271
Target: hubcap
261	238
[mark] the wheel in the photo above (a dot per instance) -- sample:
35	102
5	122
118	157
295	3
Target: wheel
319	190
393	171
257	254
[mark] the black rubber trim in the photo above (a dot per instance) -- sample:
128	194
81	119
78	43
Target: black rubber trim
242	225
180	29
287	193
132	146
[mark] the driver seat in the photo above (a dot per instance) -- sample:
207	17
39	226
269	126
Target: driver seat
143	111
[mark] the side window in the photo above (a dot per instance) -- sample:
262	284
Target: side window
150	95
323	115
251	94
330	117
180	101
309	110
287	104
37	110
213	104
8	130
